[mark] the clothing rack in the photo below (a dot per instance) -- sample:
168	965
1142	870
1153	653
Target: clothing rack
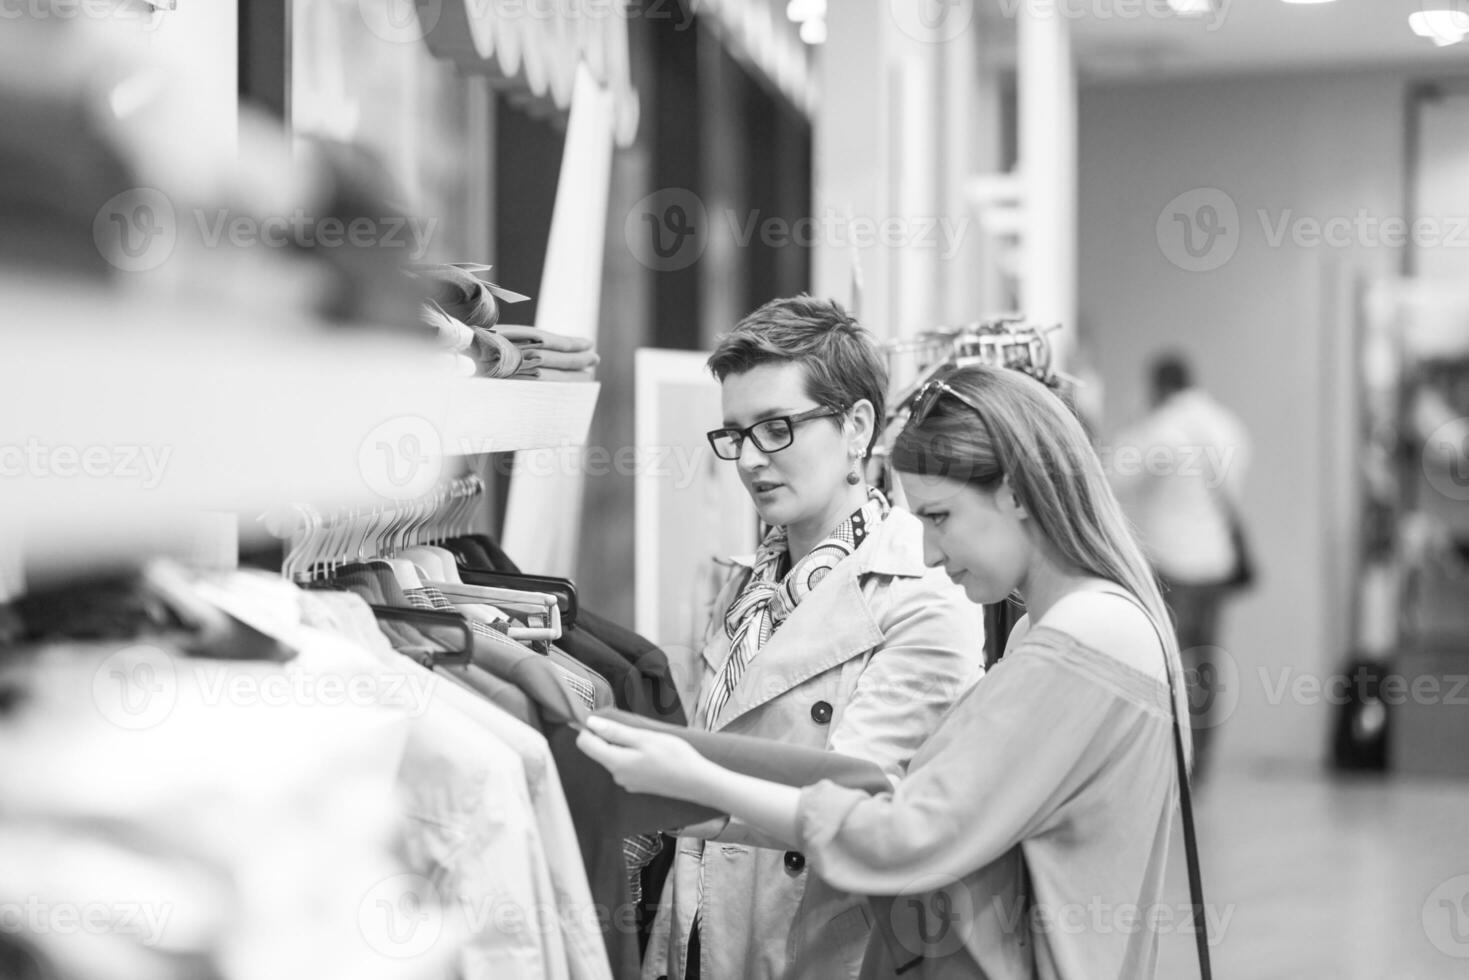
1003	341
217	675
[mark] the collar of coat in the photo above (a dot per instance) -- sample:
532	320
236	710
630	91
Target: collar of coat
831	625
895	548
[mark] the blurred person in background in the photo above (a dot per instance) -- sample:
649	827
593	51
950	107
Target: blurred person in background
1179	473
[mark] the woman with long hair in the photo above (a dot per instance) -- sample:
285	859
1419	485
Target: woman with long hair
1029	835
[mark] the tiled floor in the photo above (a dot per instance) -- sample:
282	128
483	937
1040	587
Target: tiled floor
1311	877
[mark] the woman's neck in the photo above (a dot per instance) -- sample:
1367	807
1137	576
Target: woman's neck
803	536
1047	582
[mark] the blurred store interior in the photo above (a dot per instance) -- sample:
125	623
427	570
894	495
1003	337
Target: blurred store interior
1276	191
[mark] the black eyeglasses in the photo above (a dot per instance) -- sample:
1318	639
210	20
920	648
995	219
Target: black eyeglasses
768	435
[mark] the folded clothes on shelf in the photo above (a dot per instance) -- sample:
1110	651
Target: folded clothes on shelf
552	374
543	340
459	292
451	333
528	353
464	312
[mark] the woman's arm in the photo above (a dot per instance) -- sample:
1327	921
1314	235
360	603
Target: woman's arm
652	762
1009	758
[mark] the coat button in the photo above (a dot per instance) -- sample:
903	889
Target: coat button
795	862
821	712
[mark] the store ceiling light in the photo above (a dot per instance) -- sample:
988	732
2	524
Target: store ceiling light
805	11
814	31
1442	27
1191	8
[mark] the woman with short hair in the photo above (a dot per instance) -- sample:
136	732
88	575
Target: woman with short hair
836	636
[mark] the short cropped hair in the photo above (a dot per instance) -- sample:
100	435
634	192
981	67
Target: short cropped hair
837	354
1170	374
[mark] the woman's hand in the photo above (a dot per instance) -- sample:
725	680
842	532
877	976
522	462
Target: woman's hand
645	762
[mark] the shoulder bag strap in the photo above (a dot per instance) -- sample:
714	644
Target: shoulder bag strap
1185	800
1190	843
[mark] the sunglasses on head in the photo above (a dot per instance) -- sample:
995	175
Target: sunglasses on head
929	395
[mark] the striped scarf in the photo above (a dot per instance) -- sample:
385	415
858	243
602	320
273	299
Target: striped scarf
767	600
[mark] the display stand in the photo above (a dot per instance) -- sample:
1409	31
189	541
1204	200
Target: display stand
1415	478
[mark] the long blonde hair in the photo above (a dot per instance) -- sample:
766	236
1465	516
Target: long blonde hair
1018	428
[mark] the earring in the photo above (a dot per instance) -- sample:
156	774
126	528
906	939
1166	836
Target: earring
855	477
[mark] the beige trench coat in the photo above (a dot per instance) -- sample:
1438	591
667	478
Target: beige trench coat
866	665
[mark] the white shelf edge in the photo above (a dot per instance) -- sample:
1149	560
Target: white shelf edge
486	415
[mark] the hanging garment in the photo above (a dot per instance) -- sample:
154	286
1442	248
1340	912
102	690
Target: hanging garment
569	894
556	708
648	691
590	687
651	693
177	794
470	833
642	682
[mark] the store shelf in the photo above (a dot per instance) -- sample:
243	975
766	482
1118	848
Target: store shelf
125	415
485	415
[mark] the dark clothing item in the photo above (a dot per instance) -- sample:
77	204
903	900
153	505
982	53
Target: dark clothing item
1196	611
374	582
470	552
642	683
694	969
790	765
655	691
647	689
605	813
